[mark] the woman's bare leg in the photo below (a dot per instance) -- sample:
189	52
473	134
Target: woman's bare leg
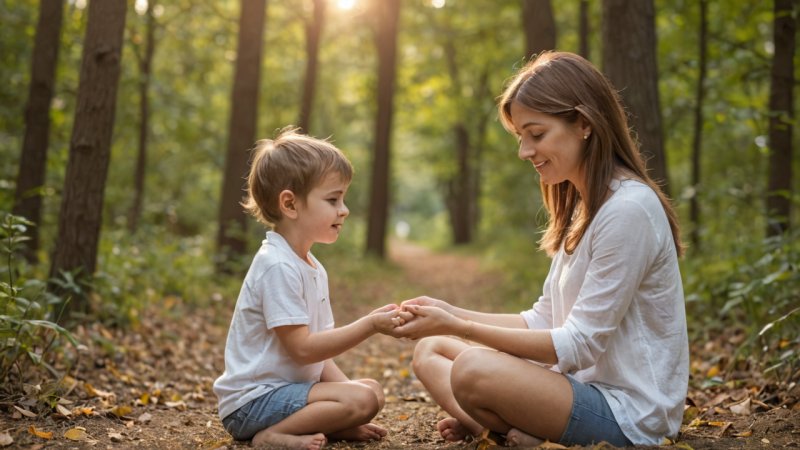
503	392
433	362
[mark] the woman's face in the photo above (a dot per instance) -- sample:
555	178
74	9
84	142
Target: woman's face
554	146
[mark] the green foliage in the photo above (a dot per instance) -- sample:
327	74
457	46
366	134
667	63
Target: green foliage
26	338
754	285
137	274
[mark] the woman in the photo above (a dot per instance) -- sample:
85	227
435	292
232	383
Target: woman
603	354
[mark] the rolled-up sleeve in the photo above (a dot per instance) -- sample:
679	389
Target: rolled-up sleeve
622	245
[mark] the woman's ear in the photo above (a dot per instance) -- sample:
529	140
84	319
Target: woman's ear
585	127
287	202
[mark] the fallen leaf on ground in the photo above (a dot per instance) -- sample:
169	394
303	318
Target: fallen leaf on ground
24	411
5	439
180	405
115	437
42	434
76	434
144	418
121	410
93	392
548	444
742	408
63	410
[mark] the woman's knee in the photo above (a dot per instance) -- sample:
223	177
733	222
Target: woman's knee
470	371
423	351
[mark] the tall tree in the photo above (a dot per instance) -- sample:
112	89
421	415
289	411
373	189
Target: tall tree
629	60
697	140
90	145
313	36
242	131
468	125
539	25
781	116
583	33
145	60
33	160
387	13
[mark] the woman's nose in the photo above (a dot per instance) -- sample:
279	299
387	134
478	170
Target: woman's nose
526	151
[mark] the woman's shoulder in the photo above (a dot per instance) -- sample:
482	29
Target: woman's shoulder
629	190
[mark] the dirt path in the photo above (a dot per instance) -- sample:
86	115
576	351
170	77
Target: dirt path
150	387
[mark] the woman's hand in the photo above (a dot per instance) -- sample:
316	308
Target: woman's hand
430	321
428	301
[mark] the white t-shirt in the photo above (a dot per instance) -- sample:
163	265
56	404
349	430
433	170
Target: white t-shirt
279	289
616	312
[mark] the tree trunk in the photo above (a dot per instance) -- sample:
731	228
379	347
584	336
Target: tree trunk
583	36
387	13
90	145
313	35
33	159
694	204
781	116
231	240
629	60
459	188
539	25
145	74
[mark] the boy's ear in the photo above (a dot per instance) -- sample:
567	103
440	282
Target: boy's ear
287	202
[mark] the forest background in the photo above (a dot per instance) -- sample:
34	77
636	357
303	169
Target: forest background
408	92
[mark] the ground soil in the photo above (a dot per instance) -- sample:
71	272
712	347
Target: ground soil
150	387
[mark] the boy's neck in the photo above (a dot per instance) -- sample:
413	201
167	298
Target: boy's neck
300	246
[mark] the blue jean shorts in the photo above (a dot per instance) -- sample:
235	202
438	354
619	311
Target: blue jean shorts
591	420
266	411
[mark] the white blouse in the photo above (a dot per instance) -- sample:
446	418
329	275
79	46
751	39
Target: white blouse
615	309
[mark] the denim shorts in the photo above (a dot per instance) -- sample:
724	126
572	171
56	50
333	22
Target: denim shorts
591	420
266	411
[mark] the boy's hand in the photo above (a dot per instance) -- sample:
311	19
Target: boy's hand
386	318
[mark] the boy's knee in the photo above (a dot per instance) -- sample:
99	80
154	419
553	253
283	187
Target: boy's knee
377	389
363	402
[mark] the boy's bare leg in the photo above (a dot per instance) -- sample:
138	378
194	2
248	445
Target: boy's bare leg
341	410
433	362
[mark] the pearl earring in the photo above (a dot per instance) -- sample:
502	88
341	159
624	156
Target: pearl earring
585	136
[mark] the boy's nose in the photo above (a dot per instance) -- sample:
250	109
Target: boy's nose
344	211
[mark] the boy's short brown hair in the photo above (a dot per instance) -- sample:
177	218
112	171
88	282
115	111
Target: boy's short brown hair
291	161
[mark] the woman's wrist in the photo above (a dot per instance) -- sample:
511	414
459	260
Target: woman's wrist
466	332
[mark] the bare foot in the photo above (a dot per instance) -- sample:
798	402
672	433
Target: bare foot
289	441
366	432
516	438
452	429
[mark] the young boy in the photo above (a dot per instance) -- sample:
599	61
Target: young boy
280	386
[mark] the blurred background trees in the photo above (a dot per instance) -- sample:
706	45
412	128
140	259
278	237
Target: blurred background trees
406	88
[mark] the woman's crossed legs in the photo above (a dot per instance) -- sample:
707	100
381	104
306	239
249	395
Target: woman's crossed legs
483	388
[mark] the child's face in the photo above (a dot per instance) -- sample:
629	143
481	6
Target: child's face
322	213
